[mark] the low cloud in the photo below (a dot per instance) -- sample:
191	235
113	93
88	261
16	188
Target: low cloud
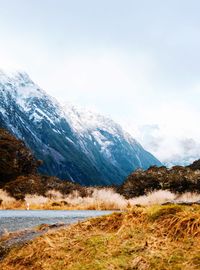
170	150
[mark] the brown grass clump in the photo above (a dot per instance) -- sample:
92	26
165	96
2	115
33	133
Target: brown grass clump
132	240
181	223
156	212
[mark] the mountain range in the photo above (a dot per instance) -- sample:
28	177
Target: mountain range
74	144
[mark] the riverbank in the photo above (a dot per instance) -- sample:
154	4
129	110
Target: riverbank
10	240
157	237
18	220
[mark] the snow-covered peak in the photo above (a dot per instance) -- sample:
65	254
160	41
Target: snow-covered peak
14	76
74	143
20	84
84	121
17	87
23	86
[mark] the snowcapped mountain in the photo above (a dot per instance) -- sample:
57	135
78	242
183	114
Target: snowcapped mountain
74	144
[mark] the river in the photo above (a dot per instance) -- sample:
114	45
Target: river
14	220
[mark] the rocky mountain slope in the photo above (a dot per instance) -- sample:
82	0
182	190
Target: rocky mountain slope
76	145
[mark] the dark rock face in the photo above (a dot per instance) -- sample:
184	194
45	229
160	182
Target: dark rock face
178	179
15	158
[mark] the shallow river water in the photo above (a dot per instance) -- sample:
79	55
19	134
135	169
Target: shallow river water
13	220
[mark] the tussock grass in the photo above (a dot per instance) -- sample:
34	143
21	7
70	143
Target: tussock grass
104	198
7	201
181	223
94	199
155	197
156	212
132	240
188	196
36	200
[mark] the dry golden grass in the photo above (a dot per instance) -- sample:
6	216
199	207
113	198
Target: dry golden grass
188	196
183	224
97	199
158	237
155	197
8	201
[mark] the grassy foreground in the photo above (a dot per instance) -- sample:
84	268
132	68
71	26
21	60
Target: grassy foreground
157	237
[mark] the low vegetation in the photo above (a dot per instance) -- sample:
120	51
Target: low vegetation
94	199
157	237
15	158
177	179
40	185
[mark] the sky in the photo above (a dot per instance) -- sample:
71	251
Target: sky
137	62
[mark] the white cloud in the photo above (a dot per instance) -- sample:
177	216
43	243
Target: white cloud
169	131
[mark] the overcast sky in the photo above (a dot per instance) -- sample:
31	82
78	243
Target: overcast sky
135	61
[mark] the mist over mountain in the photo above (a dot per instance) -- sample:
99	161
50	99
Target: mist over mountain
171	150
74	144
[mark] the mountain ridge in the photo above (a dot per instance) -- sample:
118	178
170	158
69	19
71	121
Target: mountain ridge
88	148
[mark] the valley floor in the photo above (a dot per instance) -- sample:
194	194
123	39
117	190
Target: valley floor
156	237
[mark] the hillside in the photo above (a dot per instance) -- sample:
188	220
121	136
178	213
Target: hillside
80	146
